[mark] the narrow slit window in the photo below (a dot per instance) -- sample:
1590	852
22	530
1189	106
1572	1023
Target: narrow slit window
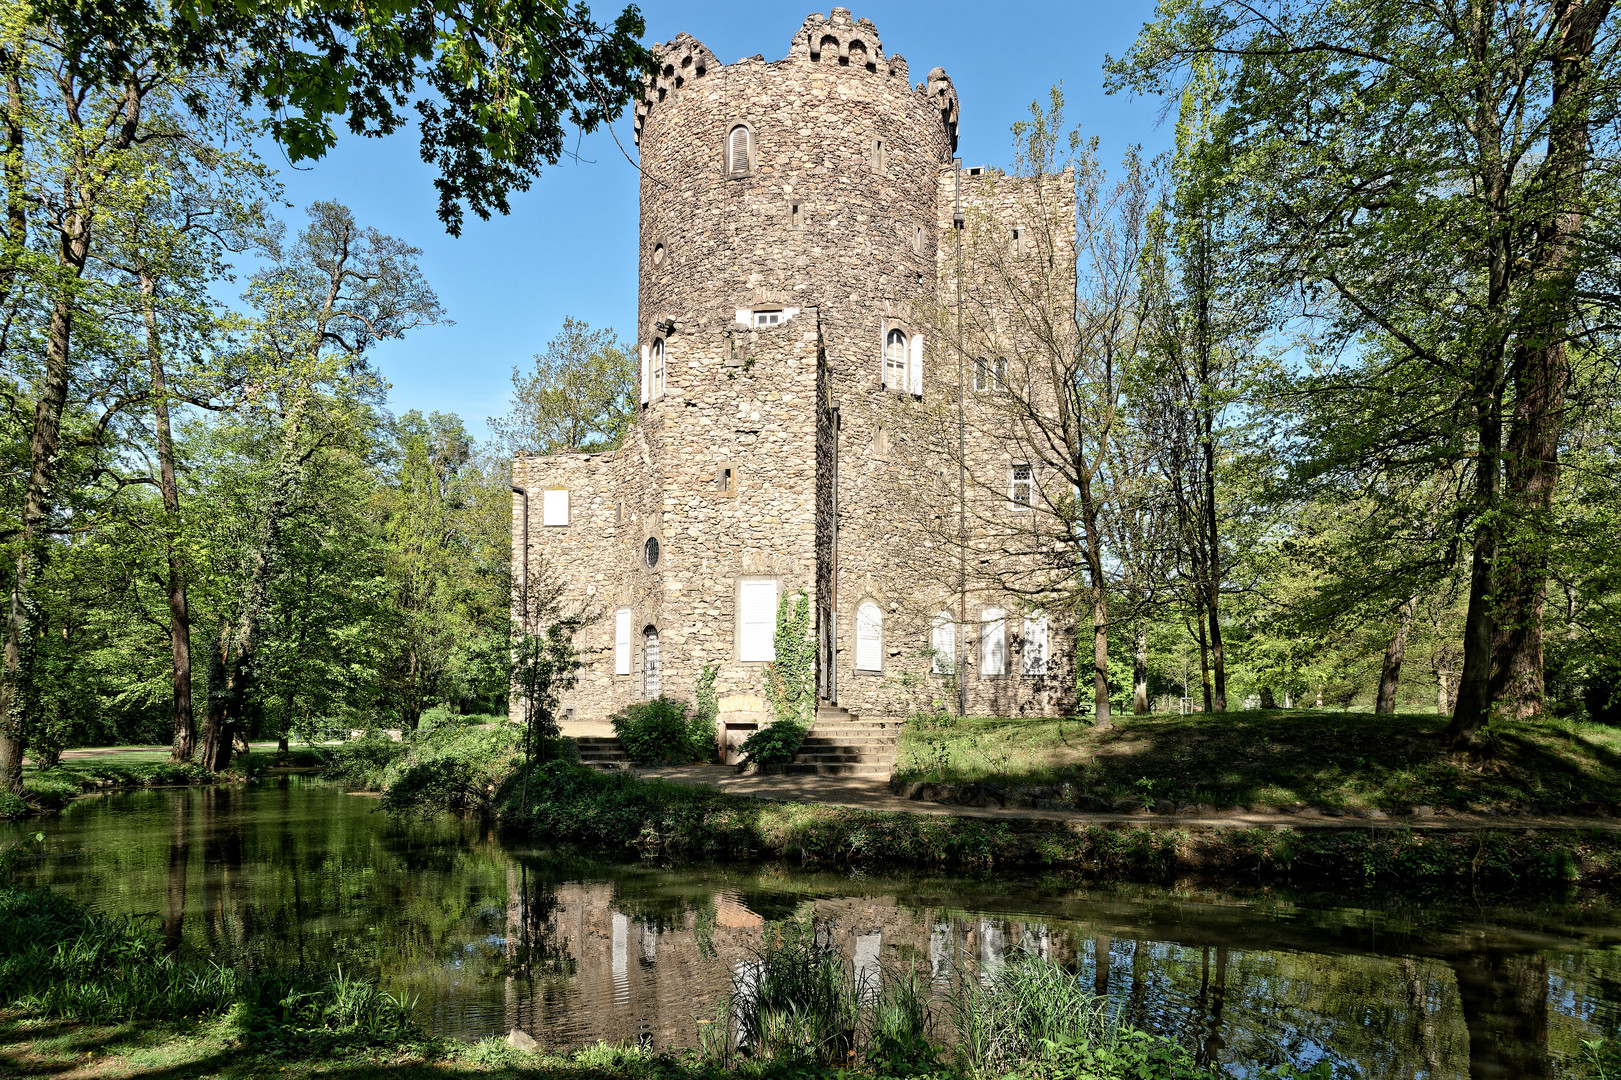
796	219
895	360
917	241
724	480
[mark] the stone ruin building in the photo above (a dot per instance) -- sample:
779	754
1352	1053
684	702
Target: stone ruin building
797	222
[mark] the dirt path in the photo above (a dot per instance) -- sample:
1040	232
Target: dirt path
872	793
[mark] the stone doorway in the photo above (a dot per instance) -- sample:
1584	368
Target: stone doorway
650	662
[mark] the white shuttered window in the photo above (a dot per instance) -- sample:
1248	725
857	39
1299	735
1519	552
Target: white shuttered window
645	383
757	620
943	642
1035	644
993	642
916	367
869	637
554	506
622	641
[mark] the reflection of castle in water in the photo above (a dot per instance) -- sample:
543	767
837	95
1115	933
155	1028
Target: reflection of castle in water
589	964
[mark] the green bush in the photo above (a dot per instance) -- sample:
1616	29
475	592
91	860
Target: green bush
452	768
661	730
774	744
12	807
364	760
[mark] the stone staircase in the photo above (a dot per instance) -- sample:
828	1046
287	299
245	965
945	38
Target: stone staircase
840	743
602	752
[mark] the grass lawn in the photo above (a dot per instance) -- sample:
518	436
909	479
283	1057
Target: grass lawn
1275	759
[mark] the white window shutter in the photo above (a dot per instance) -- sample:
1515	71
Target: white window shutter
944	645
916	366
757	621
993	642
1035	645
869	638
645	378
622	641
554	506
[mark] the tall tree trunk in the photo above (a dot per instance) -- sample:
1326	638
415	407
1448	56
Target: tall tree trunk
179	617
1204	657
1218	660
1542	371
1100	657
1395	653
1139	669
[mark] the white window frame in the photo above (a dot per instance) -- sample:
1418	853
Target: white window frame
1034	659
656	369
943	644
869	648
915	367
646	383
757	635
554	508
772	317
1027	482
993	642
622	641
894	358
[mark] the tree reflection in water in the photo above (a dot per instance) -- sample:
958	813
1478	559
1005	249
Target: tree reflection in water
296	872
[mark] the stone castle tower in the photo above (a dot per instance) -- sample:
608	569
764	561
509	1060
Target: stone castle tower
795	221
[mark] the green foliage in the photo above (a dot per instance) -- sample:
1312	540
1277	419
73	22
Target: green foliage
707	709
790	679
457	769
774	744
795	999
366	759
581	395
58	960
662	730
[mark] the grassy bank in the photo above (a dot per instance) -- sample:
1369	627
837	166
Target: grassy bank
670	821
1275	759
85	995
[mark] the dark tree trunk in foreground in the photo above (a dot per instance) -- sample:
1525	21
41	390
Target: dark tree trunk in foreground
179	617
1395	653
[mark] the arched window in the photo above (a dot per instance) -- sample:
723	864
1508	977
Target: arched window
656	368
869	637
999	373
650	662
895	360
739	151
943	643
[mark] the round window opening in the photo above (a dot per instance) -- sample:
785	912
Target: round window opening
658	254
650	552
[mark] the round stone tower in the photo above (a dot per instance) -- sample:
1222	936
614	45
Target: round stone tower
806	181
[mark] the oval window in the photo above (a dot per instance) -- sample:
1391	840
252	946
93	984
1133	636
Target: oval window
658	254
650	552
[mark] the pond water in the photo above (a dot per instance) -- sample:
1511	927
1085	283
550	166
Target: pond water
489	937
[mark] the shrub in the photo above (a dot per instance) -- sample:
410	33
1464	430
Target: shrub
452	768
774	744
661	730
364	760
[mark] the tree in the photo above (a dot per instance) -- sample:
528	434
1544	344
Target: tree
323	302
1428	174
581	395
501	81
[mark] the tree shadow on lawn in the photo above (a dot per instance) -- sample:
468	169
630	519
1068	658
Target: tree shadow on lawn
1330	759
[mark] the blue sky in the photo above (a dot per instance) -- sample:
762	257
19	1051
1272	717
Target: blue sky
569	245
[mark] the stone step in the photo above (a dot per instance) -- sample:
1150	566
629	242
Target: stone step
834	758
849	740
817	769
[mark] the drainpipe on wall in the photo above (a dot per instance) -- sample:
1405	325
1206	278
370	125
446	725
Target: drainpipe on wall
957	224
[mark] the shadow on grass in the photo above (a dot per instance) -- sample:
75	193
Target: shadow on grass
1279	758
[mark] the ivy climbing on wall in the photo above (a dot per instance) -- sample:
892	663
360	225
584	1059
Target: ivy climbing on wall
790	679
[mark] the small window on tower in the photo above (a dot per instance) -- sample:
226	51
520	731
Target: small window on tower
796	217
768	318
1018	241
1022	488
656	363
725	480
878	156
895	360
739	151
917	241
